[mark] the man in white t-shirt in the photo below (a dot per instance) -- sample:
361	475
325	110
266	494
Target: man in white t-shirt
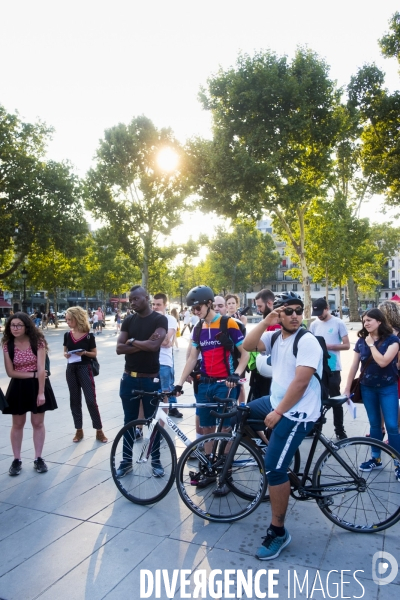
335	334
166	353
186	320
292	408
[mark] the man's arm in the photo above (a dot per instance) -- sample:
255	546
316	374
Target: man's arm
252	341
293	394
167	343
345	345
244	359
151	345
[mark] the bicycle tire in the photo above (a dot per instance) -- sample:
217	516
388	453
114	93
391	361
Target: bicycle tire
294	466
370	508
139	485
246	490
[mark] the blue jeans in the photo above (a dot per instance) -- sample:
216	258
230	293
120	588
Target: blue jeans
286	437
385	399
131	409
205	394
167	381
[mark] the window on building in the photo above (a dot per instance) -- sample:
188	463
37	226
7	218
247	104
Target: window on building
284	263
273	287
393	273
386	295
317	287
295	287
392	263
393	283
284	287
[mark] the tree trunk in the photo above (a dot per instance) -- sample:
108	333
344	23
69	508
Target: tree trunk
55	308
353	300
326	284
340	301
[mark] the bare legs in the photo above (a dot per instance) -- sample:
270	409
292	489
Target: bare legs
279	497
17	432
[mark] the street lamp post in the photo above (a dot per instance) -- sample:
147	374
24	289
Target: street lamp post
181	289
24	275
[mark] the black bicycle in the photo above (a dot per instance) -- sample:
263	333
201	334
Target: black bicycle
364	502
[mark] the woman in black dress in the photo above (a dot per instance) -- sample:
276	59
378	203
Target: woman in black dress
29	390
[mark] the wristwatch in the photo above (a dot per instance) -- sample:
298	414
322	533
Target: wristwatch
130	342
371	345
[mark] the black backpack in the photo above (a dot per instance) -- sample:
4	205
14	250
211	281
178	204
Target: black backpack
224	338
326	370
10	347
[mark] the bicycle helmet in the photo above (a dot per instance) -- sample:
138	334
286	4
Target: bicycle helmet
199	295
287	298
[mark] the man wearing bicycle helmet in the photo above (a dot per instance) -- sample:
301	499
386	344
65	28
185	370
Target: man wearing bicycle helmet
291	409
216	358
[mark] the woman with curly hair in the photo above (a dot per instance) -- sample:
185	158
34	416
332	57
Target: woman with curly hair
29	390
391	310
377	349
79	371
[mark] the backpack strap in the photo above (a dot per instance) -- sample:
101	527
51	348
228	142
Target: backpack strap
11	349
275	337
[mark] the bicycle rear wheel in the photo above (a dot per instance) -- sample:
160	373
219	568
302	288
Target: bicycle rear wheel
365	506
148	461
238	496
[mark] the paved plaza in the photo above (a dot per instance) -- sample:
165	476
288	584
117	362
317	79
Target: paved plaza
69	534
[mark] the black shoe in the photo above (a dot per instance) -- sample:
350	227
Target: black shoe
174	412
341	435
16	467
40	465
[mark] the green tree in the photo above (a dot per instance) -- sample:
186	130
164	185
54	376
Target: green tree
275	127
40	201
130	192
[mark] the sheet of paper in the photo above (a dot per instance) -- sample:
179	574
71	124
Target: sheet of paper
74	358
352	409
75	351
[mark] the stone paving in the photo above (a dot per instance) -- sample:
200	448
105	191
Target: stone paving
70	534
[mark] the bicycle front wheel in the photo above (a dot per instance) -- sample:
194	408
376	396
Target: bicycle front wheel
143	465
200	486
365	502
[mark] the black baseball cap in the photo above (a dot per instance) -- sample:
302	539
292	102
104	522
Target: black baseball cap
318	307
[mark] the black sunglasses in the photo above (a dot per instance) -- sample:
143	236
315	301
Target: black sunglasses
289	311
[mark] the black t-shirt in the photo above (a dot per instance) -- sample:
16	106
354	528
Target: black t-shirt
88	342
142	328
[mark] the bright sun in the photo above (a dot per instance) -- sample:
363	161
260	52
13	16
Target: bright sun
167	159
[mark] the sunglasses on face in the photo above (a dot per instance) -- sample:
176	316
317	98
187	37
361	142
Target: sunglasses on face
16	326
290	311
197	308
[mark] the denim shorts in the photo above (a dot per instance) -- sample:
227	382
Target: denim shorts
205	394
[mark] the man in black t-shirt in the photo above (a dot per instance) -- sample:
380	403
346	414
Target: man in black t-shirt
140	339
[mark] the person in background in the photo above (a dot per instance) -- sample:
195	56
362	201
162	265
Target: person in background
100	319
174	313
232	307
79	373
186	320
377	350
118	322
29	390
166	355
391	310
336	337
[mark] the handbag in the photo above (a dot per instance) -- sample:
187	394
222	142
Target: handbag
95	366
355	387
3	401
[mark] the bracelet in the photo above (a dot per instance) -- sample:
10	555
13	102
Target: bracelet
278	413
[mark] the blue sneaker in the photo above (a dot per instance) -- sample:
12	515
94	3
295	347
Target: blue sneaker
158	470
273	545
123	469
372	463
397	471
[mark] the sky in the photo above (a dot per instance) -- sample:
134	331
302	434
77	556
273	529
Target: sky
84	66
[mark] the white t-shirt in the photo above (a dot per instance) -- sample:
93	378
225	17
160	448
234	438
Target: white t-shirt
186	318
284	363
95	317
194	319
166	356
333	331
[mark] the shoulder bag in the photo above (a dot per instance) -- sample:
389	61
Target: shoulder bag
355	388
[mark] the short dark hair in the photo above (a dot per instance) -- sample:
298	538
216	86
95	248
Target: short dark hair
161	296
137	287
265	295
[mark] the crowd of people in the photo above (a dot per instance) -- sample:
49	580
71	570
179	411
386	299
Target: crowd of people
286	396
